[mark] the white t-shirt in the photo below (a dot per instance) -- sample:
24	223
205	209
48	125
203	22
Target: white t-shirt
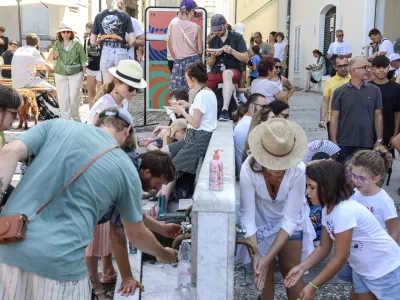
103	103
173	21
137	29
23	66
206	102
280	50
239	136
386	46
265	87
342	48
381	206
373	253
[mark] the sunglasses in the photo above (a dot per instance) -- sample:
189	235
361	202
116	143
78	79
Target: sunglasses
361	179
12	110
285	116
66	31
131	89
117	115
340	35
278	67
262	105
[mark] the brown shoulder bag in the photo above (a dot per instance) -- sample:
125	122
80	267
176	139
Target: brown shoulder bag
13	228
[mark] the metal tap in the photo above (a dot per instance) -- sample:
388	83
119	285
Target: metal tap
179	239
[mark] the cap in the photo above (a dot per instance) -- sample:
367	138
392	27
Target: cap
217	22
394	56
188	5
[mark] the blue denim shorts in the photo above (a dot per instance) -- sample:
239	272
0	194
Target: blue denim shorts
346	273
296	236
385	288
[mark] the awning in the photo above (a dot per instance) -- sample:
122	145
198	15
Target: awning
66	3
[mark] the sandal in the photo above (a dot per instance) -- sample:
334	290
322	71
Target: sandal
103	295
109	278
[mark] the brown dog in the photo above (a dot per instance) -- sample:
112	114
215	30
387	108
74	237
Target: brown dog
29	107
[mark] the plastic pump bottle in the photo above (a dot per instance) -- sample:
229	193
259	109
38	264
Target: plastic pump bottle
184	270
216	181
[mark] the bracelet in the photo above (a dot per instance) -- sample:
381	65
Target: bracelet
313	285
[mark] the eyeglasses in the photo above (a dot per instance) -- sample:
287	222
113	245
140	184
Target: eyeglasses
286	116
366	67
361	179
342	66
66	31
278	67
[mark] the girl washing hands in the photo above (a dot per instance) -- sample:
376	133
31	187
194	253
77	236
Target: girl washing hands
359	238
366	171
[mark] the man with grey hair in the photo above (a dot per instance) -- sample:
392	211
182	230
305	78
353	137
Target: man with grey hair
339	47
356	118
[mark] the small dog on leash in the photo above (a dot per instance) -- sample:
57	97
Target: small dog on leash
29	107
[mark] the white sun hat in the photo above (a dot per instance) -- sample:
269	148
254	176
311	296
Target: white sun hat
130	72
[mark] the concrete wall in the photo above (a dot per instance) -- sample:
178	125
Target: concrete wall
258	15
355	17
392	20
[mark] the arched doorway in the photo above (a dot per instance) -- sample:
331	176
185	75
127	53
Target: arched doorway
329	28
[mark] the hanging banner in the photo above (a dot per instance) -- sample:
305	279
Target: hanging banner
158	75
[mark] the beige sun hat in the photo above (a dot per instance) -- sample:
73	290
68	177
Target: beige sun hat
130	72
65	27
278	144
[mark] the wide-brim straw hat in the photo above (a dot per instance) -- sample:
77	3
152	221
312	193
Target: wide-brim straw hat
129	72
278	144
65	27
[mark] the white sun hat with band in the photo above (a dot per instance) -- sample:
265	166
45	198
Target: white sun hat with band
278	144
130	72
65	27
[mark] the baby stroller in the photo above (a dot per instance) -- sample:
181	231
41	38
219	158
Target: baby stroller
48	106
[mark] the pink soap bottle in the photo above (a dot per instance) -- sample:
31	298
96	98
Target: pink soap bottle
216	182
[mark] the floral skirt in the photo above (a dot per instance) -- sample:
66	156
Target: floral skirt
178	80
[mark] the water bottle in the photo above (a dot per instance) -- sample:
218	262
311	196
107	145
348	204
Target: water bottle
184	270
162	206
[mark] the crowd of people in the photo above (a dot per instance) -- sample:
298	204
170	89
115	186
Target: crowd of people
69	161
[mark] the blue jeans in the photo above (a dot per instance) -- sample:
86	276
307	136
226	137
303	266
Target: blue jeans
346	152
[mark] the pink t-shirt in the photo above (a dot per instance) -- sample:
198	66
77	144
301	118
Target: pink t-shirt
180	44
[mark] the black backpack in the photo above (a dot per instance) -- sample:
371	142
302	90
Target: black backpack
48	106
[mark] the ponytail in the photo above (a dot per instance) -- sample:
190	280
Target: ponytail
376	162
104	89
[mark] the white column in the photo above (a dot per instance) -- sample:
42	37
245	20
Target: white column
380	14
369	19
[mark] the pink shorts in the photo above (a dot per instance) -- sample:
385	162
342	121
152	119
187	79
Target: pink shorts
215	79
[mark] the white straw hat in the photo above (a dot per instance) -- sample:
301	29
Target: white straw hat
278	144
130	72
65	27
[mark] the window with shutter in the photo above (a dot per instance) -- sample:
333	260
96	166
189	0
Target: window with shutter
330	28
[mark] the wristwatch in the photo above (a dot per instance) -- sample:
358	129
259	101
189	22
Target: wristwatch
379	141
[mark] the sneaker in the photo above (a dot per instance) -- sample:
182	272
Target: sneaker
224	116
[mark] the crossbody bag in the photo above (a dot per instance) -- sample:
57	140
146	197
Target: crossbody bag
13	228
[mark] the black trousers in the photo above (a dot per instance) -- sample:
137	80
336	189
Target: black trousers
328	129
